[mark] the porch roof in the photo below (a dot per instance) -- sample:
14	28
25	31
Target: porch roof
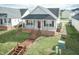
39	16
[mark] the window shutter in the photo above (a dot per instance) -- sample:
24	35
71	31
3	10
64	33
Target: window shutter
44	23
5	20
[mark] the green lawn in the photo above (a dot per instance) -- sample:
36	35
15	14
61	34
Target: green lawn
9	40
43	46
72	41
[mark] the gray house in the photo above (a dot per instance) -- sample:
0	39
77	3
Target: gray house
10	17
43	19
65	14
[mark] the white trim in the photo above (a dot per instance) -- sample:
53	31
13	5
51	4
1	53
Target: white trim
45	10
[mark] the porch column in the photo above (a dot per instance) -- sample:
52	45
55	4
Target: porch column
23	23
6	22
34	24
42	22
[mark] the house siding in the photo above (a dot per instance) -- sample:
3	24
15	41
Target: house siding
75	23
38	10
15	22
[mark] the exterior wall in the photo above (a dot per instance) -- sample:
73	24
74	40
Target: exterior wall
75	23
15	22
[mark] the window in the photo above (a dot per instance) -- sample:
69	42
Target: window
52	23
5	20
4	15
49	24
9	21
29	22
45	24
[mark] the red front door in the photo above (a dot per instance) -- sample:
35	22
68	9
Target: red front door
39	24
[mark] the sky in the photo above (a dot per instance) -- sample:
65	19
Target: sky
62	4
39	2
30	6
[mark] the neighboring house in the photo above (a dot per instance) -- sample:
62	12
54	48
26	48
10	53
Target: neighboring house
65	14
74	11
10	17
44	19
75	21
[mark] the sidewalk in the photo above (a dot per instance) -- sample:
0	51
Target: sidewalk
63	31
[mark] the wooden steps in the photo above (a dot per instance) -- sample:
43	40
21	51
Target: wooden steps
19	50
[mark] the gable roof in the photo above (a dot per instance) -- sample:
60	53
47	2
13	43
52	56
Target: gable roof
23	11
10	12
38	14
55	11
76	16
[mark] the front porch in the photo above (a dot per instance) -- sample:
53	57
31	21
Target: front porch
40	24
46	27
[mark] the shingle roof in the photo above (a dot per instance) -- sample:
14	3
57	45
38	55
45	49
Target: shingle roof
50	14
75	9
3	15
55	11
39	16
11	12
76	17
23	11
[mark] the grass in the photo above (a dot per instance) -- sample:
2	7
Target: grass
43	46
9	40
72	41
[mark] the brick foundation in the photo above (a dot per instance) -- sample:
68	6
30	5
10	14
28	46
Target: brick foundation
47	33
10	28
27	30
6	28
43	33
3	27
